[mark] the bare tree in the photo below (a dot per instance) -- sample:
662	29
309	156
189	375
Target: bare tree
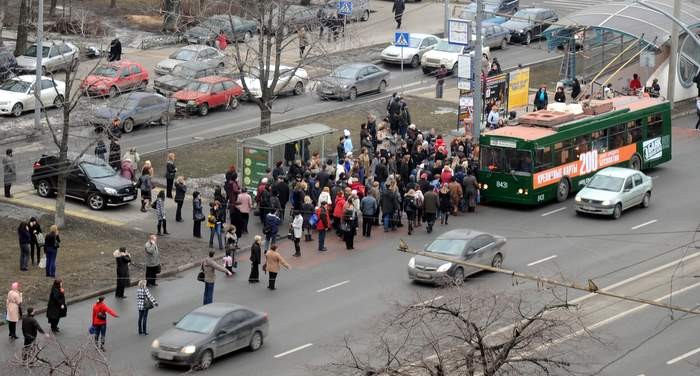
52	7
171	13
22	27
51	357
460	336
3	6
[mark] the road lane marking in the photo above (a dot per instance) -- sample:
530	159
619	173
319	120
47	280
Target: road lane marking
645	224
302	347
542	260
553	211
332	286
428	301
686	355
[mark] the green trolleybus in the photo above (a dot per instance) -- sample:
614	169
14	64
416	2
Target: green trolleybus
530	164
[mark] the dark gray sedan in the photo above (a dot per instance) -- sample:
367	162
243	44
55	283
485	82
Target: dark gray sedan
183	74
134	109
463	244
209	332
206	32
350	80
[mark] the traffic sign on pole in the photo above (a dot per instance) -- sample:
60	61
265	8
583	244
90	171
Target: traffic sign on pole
345	8
401	39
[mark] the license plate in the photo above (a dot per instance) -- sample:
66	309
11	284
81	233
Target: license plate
165	355
193	41
423	275
128	198
588	208
328	92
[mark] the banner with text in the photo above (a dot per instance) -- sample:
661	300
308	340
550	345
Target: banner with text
518	88
254	165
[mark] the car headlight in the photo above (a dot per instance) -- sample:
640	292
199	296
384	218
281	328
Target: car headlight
521	31
155	344
444	267
578	199
346	86
412	263
486	186
520	191
607	203
110	191
192	103
189	349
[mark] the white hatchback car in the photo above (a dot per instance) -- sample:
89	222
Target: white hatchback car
614	189
17	94
418	44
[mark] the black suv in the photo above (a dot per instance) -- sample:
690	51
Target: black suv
91	179
8	64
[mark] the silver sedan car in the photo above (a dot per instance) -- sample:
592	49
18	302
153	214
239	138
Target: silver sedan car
193	52
350	80
462	244
614	189
55	56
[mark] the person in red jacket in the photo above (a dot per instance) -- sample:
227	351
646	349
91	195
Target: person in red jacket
635	85
99	321
338	211
323	225
222	40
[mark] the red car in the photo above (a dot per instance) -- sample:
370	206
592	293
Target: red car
114	78
206	93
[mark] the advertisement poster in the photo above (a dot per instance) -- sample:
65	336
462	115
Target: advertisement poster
496	89
519	82
254	165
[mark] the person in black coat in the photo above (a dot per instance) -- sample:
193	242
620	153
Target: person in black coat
57	305
541	98
123	259
25	239
180	191
398	8
559	96
34	229
575	89
115	154
281	191
30	330
115	50
255	256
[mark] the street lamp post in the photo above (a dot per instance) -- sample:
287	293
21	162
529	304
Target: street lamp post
38	106
673	63
476	68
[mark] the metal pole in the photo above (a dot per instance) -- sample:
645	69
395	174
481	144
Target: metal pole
39	71
672	64
476	68
447	16
402	78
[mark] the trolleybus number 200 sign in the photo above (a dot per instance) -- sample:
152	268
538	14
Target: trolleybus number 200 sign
588	162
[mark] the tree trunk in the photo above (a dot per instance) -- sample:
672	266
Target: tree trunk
22	27
172	13
60	214
52	8
59	218
265	118
113	3
3	6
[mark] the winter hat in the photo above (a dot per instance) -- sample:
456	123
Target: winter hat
264	180
346	133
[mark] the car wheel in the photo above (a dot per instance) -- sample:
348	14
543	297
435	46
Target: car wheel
58	101
617	212
455	68
128	125
96	201
43	188
382	87
203	109
528	37
426	70
17	110
504	43
247	37
113	91
365	16
164	118
458	279
221	64
563	190
353	94
232	103
497	261
205	360
299	88
415	62
635	162
256	341
646	199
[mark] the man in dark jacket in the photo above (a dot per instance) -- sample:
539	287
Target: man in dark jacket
398	8
368	207
271	228
281	190
115	50
30	329
430	208
115	154
9	172
387	203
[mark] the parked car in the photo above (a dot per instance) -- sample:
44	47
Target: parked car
115	78
296	16
528	24
614	189
17	94
134	109
8	64
462	244
417	46
468	13
209	332
185	73
207	31
289	81
91	180
55	56
192	52
360	9
447	54
350	80
206	93
494	36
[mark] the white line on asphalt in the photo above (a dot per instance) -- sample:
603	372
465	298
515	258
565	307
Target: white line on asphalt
543	260
302	347
428	301
553	211
686	355
332	286
644	224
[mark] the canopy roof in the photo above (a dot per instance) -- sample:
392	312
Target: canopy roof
284	136
635	19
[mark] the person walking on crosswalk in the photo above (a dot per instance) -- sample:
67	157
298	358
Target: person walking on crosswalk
398	8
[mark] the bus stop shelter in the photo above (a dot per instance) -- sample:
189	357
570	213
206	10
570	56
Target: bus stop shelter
256	154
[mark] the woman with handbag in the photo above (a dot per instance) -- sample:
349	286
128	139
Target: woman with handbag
255	256
51	244
123	259
197	215
14	311
144	302
37	240
99	321
57	305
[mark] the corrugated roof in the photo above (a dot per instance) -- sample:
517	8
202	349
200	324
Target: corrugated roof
284	136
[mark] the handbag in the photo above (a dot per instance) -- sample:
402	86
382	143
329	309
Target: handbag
91	330
42	262
290	234
265	267
101	315
40	239
200	275
147	303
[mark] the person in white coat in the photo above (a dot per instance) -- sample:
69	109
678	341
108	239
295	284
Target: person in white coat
297	229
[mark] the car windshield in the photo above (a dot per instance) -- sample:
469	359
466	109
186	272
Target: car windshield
345	72
106	71
15	86
198	86
451	247
525	13
606	183
184	54
31	51
216	24
184	72
445	46
97	171
513	161
197	323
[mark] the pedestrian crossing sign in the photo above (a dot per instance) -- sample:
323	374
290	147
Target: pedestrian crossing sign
345	8
401	39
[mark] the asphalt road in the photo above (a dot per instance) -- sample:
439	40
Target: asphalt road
547	240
